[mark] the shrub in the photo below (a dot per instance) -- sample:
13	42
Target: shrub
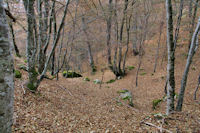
111	81
155	103
18	74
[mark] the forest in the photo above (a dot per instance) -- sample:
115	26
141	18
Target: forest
99	66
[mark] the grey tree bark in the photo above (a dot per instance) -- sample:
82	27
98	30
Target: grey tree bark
193	48
6	76
43	12
192	22
171	59
30	45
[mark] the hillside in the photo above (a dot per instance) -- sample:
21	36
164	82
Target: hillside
75	105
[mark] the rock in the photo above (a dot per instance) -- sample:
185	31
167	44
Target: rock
126	95
71	74
86	79
97	81
23	67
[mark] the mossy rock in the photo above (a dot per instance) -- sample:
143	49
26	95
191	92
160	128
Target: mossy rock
32	87
18	74
126	95
86	79
155	103
130	68
111	81
97	81
71	74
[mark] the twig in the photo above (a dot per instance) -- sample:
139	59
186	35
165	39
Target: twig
160	128
23	89
65	89
102	70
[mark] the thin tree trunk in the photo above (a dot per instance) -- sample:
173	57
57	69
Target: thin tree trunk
171	59
6	76
109	26
54	36
195	93
193	48
90	56
135	36
13	40
192	23
55	41
158	47
178	23
128	25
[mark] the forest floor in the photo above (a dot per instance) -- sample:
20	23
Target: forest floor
75	105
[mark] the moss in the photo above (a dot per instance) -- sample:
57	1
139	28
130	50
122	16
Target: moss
25	61
71	74
111	81
141	69
143	73
31	87
155	103
94	69
18	74
130	68
122	91
86	79
193	68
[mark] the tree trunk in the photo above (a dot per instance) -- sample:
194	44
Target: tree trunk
158	47
109	26
6	76
192	23
171	59
193	48
30	45
90	56
135	36
13	35
54	37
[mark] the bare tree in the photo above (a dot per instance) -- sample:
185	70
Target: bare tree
90	56
33	82
193	48
6	76
171	58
